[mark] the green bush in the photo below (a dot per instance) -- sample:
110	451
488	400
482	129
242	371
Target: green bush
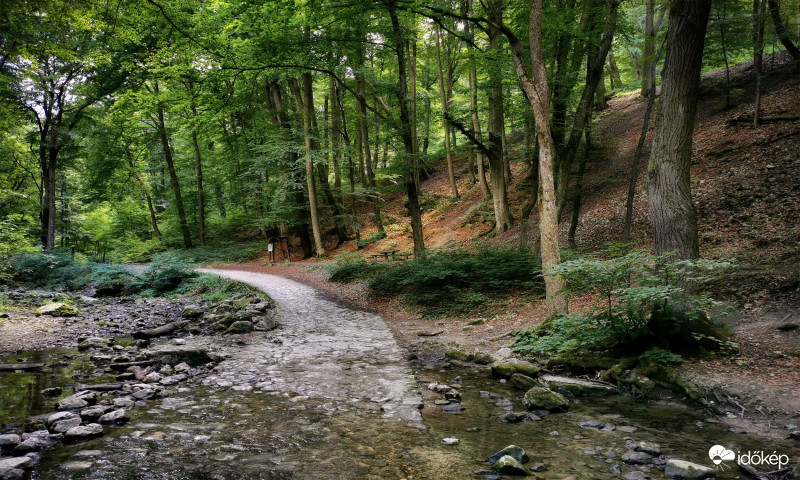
375	237
60	271
113	280
165	274
215	289
12	242
458	281
352	266
221	253
51	270
640	302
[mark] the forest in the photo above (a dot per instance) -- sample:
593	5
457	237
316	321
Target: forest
447	215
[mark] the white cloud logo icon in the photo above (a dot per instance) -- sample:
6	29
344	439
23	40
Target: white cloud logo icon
718	454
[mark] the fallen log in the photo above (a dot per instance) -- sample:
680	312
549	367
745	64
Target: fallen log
25	367
159	331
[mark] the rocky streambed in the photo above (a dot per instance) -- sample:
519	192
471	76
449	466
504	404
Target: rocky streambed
328	394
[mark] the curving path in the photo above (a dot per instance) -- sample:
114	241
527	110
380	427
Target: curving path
322	350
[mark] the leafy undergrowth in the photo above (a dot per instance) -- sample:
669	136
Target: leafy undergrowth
447	281
643	306
167	276
221	253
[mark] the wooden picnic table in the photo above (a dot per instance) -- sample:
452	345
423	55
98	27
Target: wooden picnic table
386	254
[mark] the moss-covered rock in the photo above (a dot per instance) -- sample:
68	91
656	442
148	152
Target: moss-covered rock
516	452
507	368
668	377
507	465
575	387
462	355
58	309
523	382
540	398
240	326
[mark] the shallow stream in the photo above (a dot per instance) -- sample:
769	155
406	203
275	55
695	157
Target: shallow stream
329	395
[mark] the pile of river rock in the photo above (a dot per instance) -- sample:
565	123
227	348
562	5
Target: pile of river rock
143	372
550	394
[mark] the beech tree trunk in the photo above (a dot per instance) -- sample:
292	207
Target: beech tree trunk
780	29
502	212
476	125
672	213
173	175
409	182
201	200
649	46
758	54
536	89
305	102
446	125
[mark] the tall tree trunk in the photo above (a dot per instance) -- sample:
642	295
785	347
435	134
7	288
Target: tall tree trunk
502	212
669	189
536	90
305	102
649	46
613	70
721	23
758	53
148	198
364	136
780	29
408	140
637	155
578	199
445	102
49	214
596	58
173	175
223	212
476	125
336	133
201	196
282	118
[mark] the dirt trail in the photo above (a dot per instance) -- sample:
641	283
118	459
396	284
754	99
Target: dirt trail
323	350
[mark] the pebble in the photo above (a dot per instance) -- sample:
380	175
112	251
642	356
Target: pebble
450	441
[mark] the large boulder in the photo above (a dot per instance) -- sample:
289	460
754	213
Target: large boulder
116	417
15	463
72	403
94	342
192	311
523	382
508	465
683	470
637	458
9	441
539	398
34	442
574	387
58	309
240	326
516	452
84	432
264	323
